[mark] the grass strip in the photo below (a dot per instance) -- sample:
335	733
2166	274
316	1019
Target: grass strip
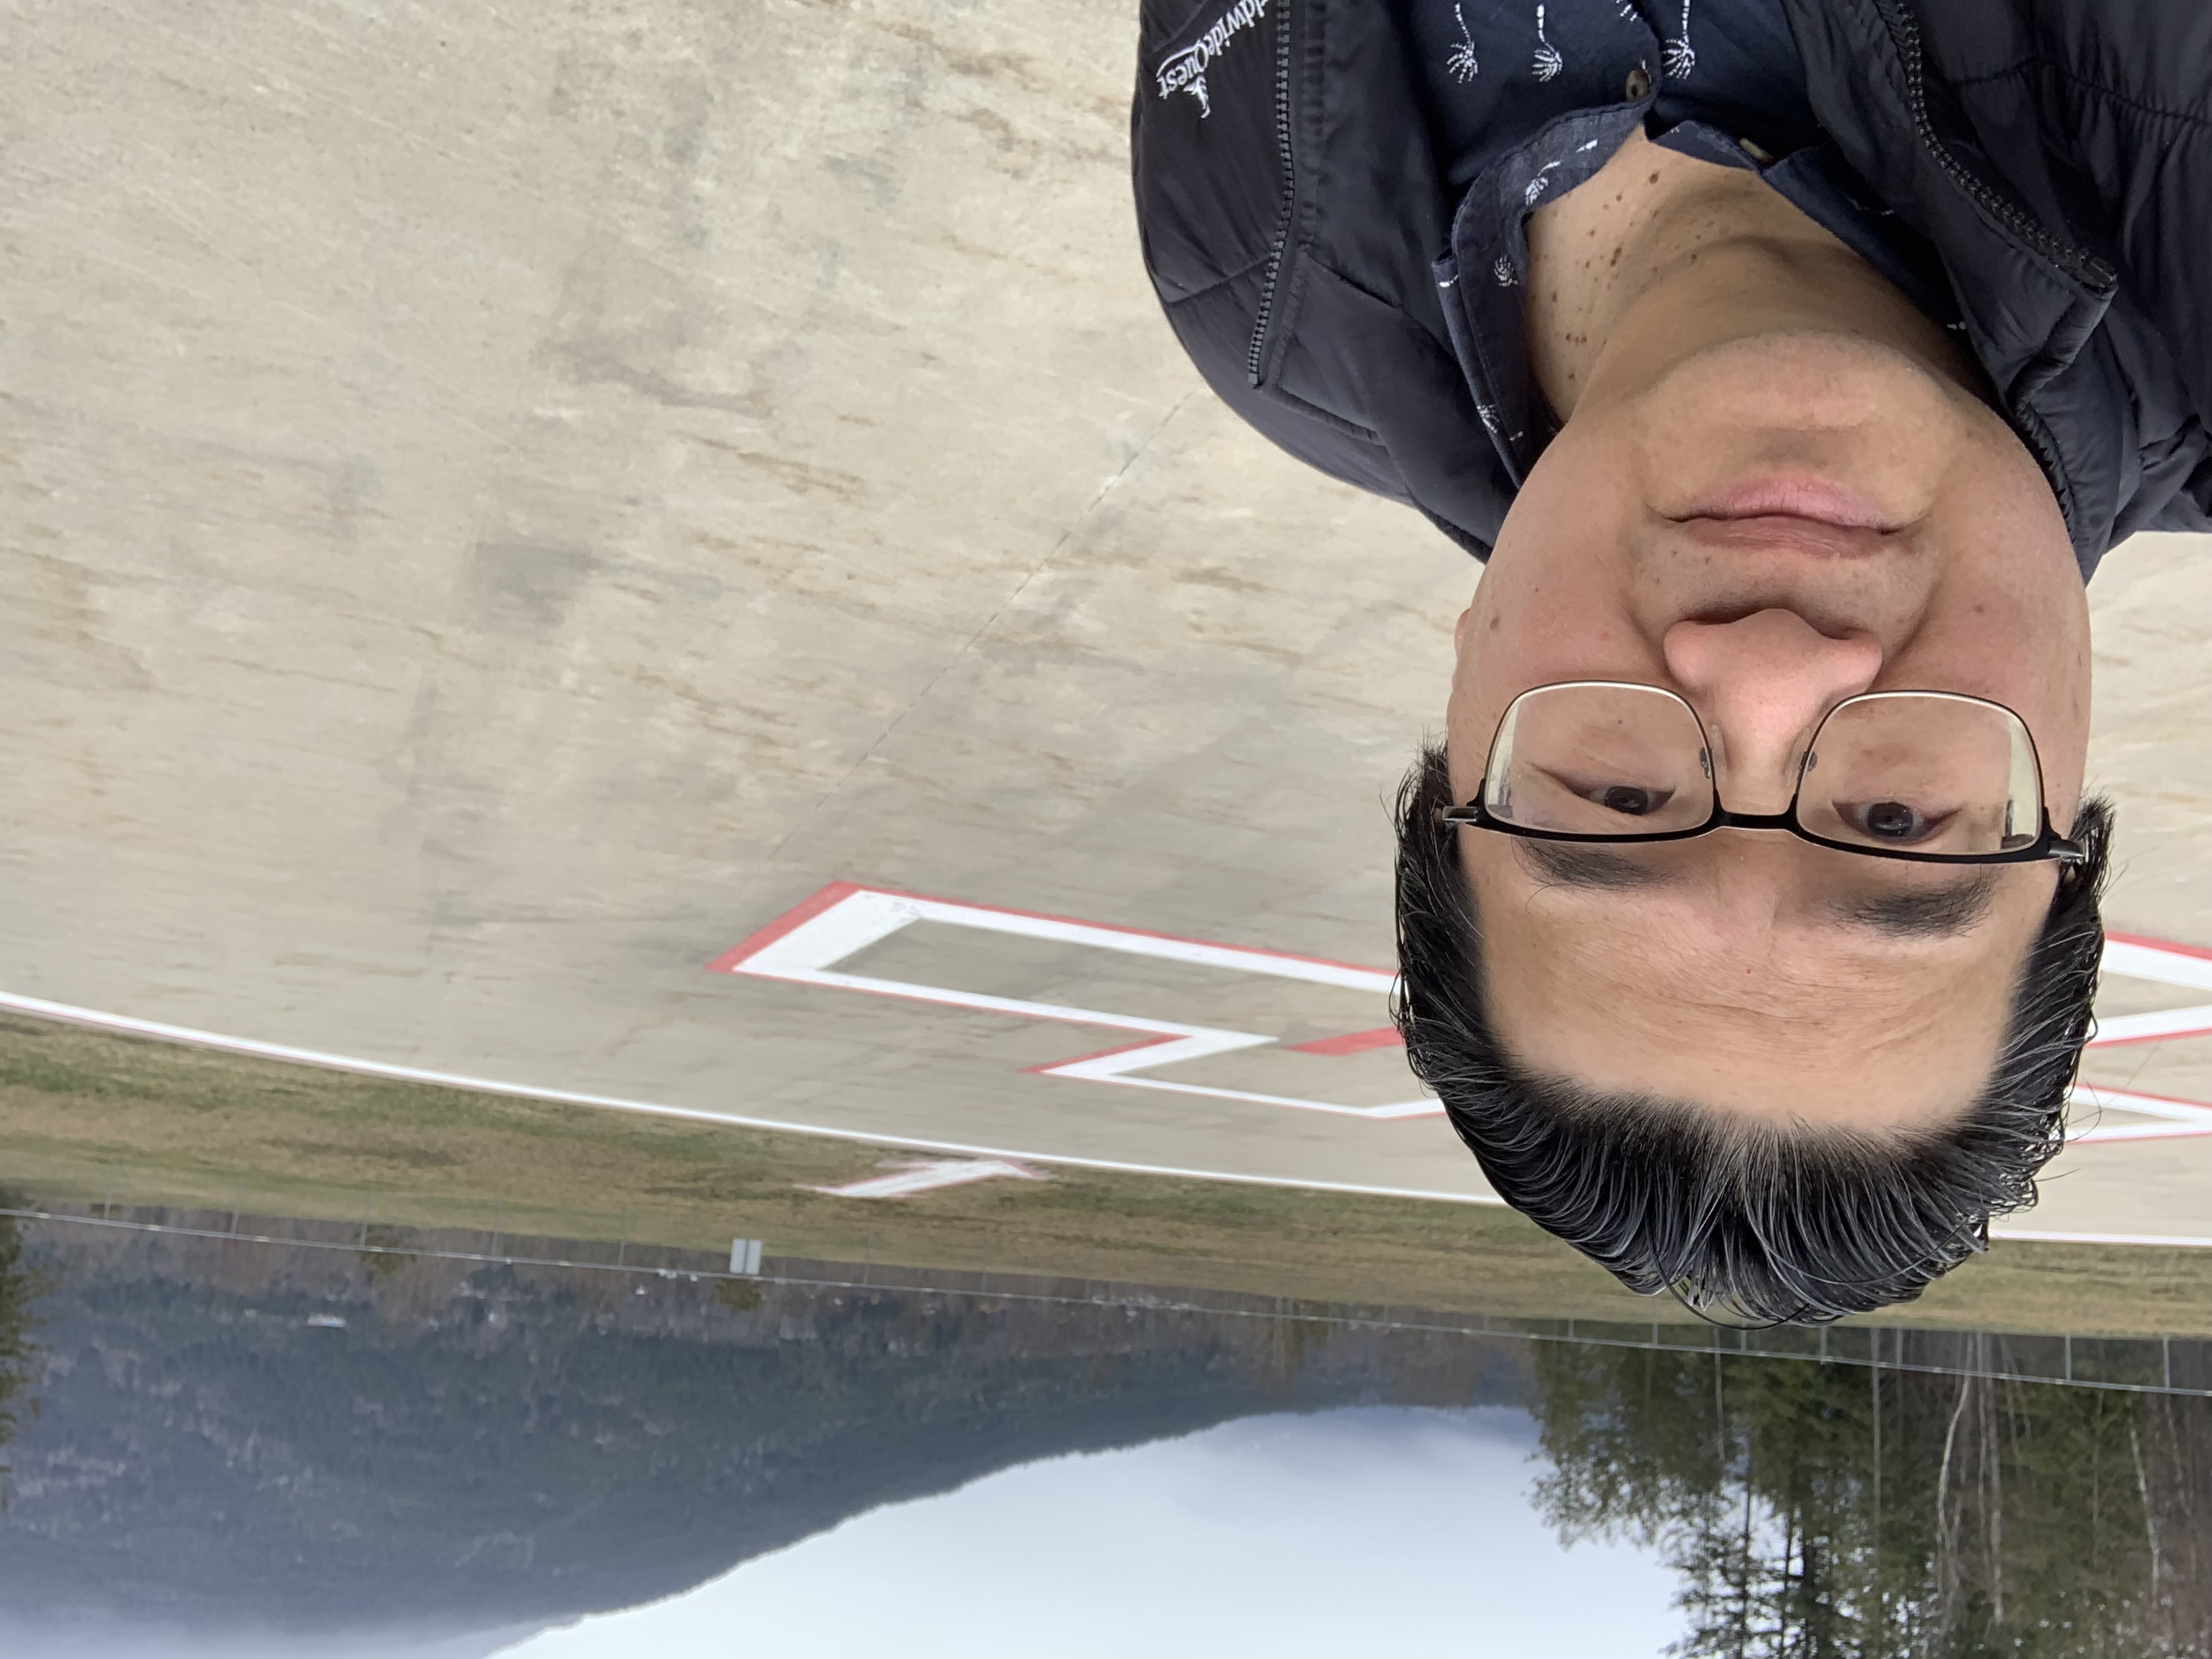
94	1117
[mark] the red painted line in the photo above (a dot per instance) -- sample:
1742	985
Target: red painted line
1352	1042
1121	1048
2197	951
2151	1036
805	911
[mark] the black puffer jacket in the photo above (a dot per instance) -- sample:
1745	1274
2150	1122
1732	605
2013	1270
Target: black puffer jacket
2057	153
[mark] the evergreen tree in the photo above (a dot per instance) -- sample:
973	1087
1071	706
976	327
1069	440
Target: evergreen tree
1819	1511
19	1287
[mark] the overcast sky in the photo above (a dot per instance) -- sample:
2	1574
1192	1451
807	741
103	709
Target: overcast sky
1378	1530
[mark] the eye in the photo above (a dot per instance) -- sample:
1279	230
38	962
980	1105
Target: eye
1629	799
1892	820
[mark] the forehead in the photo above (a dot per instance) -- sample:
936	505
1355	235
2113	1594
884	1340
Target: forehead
1738	987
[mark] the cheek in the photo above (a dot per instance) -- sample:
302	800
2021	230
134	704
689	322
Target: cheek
1558	591
1555	601
1572	622
2010	622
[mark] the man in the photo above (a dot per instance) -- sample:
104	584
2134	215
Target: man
1778	360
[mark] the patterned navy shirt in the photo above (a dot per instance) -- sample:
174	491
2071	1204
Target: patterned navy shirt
1528	98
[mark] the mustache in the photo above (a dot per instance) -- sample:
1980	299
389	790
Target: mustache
1674	578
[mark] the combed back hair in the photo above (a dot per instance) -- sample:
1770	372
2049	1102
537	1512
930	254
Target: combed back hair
1758	1224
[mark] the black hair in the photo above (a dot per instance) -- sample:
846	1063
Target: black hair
1762	1223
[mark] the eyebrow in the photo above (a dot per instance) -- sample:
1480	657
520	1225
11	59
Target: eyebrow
1906	913
1570	866
1922	913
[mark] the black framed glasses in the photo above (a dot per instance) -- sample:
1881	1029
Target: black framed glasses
1936	777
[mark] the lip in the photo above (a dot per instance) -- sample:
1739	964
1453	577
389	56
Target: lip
1814	500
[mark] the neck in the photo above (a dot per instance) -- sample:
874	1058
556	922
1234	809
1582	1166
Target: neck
1660	257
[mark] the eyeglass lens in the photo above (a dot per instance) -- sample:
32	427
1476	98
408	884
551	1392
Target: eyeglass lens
1920	771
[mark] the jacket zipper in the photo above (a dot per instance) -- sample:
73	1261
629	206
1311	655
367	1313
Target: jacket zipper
1904	28
1282	238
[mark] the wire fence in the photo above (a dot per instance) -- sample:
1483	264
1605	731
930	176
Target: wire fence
2169	1365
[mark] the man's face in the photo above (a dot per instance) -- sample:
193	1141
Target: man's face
1768	529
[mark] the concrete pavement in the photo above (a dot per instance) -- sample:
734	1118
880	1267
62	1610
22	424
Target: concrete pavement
499	508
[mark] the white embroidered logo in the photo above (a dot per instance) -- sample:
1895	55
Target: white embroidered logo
1185	71
1681	57
1461	59
1548	63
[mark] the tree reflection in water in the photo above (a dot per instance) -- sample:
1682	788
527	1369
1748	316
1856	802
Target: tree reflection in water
1816	1510
19	1288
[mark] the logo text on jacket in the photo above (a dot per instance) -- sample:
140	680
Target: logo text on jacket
1185	71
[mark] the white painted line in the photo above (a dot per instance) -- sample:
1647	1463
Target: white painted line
2175	1118
1117	1064
2145	1027
1431	1108
909	991
1168	950
2028	1236
865	915
76	1016
2154	960
858	920
844	919
928	1177
2162	963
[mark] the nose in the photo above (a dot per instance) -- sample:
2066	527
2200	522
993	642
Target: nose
1764	681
